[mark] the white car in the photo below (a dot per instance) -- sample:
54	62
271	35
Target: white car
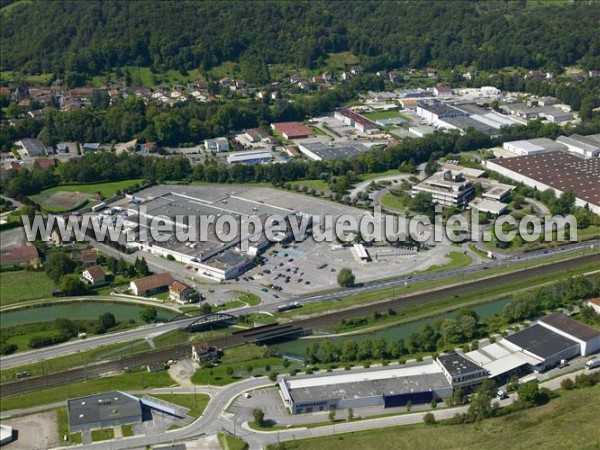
246	395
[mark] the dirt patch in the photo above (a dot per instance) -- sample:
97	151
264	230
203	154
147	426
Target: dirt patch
35	431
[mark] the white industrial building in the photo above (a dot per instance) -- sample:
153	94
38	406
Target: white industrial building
587	337
250	157
533	146
448	188
585	146
385	387
537	348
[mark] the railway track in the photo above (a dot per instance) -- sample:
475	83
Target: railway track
257	334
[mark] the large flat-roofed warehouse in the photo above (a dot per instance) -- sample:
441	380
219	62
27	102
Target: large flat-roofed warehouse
537	348
557	170
319	151
103	410
212	254
388	387
533	146
587	337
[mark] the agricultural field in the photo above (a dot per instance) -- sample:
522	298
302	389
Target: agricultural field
22	285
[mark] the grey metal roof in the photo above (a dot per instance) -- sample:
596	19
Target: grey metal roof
457	364
570	326
103	407
372	388
541	341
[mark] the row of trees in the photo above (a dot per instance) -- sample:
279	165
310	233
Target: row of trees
462	328
534	302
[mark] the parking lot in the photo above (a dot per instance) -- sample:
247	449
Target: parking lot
269	400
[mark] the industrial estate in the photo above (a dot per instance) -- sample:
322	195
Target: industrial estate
178	267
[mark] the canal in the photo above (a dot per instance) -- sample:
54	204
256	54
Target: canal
82	310
296	348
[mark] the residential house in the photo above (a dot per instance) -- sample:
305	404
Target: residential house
91	147
148	147
202	352
36	114
151	284
220	144
44	163
254	135
442	91
89	257
57	239
20	256
31	147
431	72
94	275
181	292
394	76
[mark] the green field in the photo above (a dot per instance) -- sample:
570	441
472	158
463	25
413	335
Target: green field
229	442
239	358
22	285
130	381
195	403
103	435
107	189
568	422
318	185
127	430
389	200
340	61
372	175
248	298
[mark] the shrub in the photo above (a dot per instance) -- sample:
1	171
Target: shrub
429	419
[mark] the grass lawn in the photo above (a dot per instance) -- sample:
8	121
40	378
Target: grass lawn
127	430
339	61
125	382
107	189
389	200
233	304
229	442
548	426
475	249
249	298
195	403
318	185
240	359
372	175
103	435
457	259
23	285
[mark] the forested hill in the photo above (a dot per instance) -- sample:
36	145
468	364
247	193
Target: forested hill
95	36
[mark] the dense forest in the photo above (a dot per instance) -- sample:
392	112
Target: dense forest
91	37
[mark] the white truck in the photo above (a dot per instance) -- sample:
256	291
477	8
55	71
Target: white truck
592	364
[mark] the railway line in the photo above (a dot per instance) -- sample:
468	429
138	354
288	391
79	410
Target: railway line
296	327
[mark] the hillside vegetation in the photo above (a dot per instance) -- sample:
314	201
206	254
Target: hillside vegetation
97	36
